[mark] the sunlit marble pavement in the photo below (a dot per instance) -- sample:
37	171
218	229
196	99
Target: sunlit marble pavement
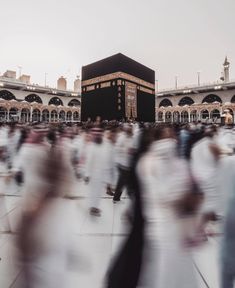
97	239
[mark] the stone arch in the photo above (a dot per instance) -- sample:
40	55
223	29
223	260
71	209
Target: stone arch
45	115
69	116
33	98
184	117
3	114
211	98
25	115
7	95
74	102
215	114
54	116
193	115
56	101
165	103
62	115
186	101
176	116
160	116
13	114
204	114
75	116
36	115
233	99
168	117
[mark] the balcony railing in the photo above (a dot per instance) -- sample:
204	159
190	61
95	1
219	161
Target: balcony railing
196	86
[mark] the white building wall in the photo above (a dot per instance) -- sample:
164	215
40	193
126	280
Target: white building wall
19	94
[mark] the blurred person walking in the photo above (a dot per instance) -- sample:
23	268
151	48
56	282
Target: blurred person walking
165	180
46	232
125	267
95	169
4	180
205	157
124	152
226	185
184	138
111	171
30	161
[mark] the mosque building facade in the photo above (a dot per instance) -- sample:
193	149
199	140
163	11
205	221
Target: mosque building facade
207	103
21	101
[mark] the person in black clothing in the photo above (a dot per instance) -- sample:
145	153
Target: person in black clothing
125	270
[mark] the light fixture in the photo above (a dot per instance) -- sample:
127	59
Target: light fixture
187	91
30	88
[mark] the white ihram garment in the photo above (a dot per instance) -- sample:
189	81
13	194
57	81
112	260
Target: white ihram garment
83	149
123	147
110	176
31	161
205	168
164	179
52	236
95	169
3	189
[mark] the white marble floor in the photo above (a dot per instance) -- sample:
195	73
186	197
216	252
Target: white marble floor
97	240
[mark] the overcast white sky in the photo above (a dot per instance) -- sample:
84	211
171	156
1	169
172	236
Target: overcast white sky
173	37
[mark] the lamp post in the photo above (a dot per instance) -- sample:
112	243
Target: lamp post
45	80
157	84
198	78
176	82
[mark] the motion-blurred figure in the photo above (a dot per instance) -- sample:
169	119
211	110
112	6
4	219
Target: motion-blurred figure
205	157
31	161
226	140
124	153
227	179
125	267
111	170
184	137
95	170
165	179
4	179
82	153
46	234
12	145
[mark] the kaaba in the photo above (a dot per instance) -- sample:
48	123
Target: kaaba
118	88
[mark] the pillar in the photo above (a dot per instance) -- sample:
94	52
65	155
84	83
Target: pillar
199	115
31	114
19	114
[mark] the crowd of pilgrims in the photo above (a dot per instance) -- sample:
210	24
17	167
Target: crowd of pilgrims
179	180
